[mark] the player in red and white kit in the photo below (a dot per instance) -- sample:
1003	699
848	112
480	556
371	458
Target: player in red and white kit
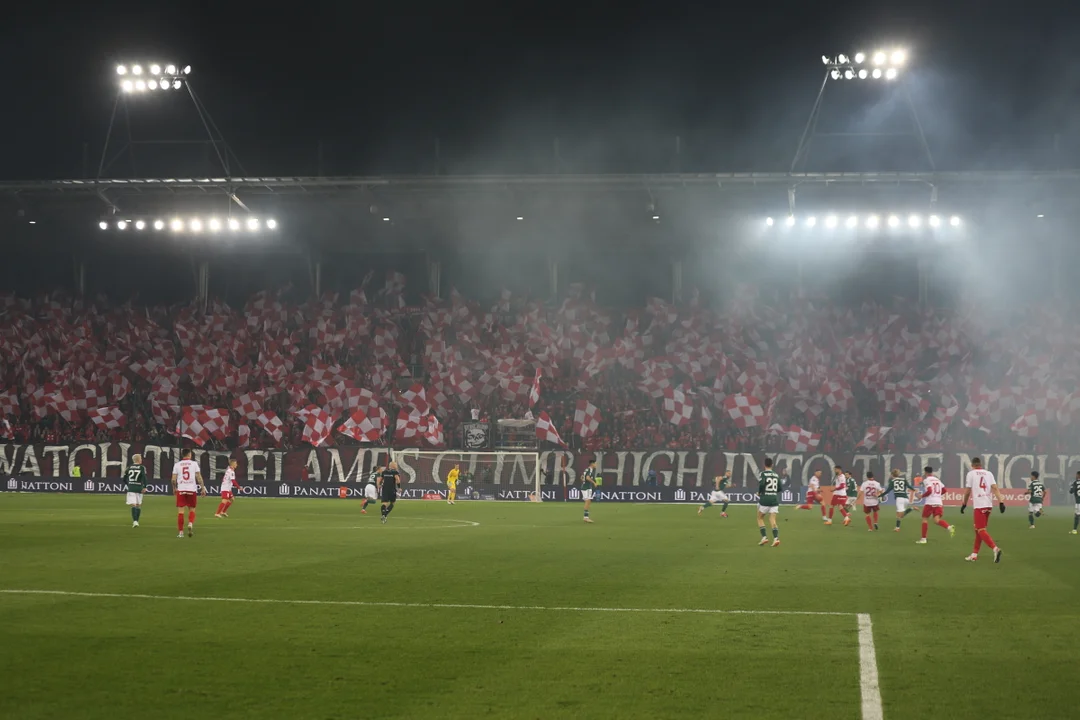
871	499
813	494
982	490
933	504
228	487
187	481
839	496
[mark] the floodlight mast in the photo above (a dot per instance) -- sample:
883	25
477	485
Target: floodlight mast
879	66
150	79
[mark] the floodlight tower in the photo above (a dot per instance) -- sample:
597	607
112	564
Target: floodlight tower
142	82
880	66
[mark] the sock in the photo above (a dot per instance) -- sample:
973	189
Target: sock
925	525
389	508
908	511
1038	514
220	508
942	523
985	536
1076	521
1031	518
134	514
869	522
897	523
586	513
724	507
978	543
191	517
831	508
383	511
762	529
707	504
822	511
228	504
180	521
363	505
875	516
843	511
776	533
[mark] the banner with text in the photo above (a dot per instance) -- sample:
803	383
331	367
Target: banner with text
515	472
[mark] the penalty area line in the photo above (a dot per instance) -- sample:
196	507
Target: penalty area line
869	685
433	606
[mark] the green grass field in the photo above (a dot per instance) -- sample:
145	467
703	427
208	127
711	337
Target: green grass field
522	611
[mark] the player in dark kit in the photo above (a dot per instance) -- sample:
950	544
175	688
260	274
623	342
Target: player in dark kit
388	486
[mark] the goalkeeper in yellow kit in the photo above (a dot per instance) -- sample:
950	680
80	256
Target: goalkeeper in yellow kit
451	485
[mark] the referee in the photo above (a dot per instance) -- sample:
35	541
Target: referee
389	483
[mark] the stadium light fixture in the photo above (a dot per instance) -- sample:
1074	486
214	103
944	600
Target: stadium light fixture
195	225
136	79
915	222
884	64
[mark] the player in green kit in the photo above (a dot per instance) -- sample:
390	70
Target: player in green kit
1074	490
768	502
852	488
718	495
1036	493
135	475
902	491
589	484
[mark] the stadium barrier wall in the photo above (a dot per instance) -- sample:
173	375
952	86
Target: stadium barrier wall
682	476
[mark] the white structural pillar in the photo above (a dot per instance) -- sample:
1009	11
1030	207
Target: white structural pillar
202	284
676	281
434	276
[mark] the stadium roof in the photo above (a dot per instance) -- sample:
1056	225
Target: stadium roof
437	183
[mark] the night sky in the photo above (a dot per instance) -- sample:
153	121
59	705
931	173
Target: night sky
496	83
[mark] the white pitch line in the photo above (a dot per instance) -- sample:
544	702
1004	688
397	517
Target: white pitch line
436	606
869	687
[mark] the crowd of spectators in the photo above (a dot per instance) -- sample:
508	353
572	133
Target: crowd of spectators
631	418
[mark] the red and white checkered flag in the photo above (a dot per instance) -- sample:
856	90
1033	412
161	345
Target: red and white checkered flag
873	436
677	409
1027	425
546	432
243	435
317	425
586	419
271	424
799	440
534	391
359	426
107	418
408	424
744	410
433	431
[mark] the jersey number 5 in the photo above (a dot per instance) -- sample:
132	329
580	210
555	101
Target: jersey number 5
186	473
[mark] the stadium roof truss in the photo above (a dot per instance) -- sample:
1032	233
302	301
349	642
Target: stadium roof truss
575	183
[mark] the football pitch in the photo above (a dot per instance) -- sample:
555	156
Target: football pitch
308	609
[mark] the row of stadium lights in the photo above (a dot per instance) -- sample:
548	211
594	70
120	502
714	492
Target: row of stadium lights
870	222
193	225
884	64
136	78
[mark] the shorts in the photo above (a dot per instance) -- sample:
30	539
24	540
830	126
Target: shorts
716	496
932	511
902	504
134	498
768	509
586	494
813	497
371	492
186	499
869	508
226	495
839	500
1034	507
389	494
982	518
